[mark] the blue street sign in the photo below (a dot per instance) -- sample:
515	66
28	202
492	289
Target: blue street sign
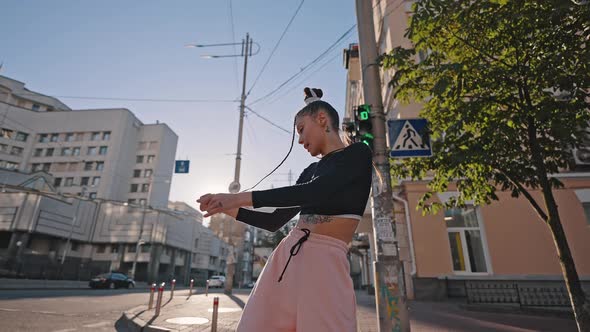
181	166
409	138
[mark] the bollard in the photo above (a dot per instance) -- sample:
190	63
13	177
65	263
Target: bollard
214	318
190	291
159	301
152	290
172	288
207	289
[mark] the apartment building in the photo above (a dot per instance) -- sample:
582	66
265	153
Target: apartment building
498	253
98	153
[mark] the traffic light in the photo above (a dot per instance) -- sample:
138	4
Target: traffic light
363	128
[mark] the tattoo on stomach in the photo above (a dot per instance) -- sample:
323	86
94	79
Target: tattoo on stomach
315	219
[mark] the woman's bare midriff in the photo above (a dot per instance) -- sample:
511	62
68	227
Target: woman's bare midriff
340	228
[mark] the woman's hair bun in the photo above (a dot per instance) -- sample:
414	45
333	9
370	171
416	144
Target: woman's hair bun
312	94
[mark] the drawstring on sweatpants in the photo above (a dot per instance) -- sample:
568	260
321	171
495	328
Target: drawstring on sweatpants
295	249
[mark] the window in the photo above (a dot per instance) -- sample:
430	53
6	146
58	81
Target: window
196	243
57	182
586	206
49	152
148	173
79	136
131	248
150	158
114	248
74	246
136	173
145	187
99	165
95	181
88	166
36	107
76	151
100	248
46	167
4	148
35	167
145	248
70	137
465	239
92	196
37	152
6	133
54	137
131	201
133	188
66	151
69	182
21	137
91	151
84	181
95	136
102	151
142	201
16	151
43	138
139	160
11	165
106	135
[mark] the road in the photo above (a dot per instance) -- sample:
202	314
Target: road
67	310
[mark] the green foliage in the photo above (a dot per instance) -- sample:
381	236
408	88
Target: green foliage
487	86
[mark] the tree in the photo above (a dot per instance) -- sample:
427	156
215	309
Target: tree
504	85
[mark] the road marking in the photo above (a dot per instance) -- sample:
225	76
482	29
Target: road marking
45	312
99	324
8	309
65	330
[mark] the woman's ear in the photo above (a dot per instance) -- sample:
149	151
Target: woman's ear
322	118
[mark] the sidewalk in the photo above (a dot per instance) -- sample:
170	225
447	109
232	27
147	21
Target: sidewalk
16	284
195	314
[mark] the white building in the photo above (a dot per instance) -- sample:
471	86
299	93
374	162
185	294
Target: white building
101	153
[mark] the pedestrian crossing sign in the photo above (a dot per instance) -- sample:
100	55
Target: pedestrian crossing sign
409	138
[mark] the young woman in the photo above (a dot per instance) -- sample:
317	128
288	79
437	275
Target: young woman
316	292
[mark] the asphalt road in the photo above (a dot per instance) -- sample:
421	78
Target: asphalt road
67	310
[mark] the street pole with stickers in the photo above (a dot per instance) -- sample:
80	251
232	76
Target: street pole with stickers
390	298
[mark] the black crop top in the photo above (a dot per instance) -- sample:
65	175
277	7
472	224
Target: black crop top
338	184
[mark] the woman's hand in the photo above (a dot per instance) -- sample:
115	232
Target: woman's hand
223	203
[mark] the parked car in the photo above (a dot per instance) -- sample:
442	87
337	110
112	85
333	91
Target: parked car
111	280
217	281
250	284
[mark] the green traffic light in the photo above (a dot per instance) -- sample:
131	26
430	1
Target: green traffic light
364	115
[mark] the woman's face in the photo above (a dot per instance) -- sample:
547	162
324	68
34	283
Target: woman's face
312	132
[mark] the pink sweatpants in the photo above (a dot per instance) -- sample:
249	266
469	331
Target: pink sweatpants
315	295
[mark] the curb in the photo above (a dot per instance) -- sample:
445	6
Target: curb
515	310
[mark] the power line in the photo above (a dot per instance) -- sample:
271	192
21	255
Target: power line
336	56
150	99
233	38
267	120
276	46
304	68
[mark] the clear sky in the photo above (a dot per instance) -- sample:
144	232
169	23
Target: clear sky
135	49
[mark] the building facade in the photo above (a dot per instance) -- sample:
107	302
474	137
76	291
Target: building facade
500	252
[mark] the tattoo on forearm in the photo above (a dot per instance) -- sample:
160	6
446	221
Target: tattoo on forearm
315	219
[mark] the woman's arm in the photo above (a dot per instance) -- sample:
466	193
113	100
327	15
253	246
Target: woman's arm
269	221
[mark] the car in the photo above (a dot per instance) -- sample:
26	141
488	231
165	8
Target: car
250	284
217	281
111	280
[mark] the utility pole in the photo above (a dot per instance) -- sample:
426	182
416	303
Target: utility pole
234	186
74	217
390	297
